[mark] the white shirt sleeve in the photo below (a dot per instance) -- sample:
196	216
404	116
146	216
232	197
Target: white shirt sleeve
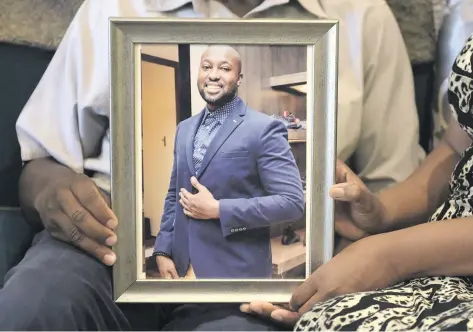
388	150
66	117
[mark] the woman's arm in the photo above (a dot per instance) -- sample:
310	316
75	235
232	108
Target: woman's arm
439	248
413	201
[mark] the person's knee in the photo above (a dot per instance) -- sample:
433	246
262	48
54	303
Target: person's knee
58	287
44	309
15	238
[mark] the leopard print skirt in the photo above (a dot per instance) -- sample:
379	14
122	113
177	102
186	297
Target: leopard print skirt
430	303
433	304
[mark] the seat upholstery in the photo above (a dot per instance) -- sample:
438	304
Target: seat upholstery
456	28
21	68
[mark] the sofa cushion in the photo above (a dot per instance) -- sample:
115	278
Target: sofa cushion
21	68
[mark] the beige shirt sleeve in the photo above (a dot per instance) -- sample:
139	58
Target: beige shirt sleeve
387	151
66	117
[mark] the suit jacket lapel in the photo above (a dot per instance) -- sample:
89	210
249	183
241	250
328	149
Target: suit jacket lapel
194	125
230	124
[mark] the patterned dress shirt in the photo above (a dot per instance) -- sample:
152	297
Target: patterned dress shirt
211	123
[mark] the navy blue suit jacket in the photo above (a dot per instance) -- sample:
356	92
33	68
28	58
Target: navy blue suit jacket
250	169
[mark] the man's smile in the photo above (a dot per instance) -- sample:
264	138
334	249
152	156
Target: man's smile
213	88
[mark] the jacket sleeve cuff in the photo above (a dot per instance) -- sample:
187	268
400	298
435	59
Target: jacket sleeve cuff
163	243
228	224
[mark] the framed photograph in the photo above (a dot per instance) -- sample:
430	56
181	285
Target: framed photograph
223	143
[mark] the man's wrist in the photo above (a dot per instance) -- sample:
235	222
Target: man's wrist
216	210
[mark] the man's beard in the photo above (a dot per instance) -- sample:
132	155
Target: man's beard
219	100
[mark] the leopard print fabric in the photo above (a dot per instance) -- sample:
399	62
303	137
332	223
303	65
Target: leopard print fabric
430	303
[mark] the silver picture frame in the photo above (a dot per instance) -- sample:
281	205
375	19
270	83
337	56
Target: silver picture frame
126	35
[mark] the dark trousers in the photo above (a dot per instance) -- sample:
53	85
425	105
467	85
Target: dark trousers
15	238
57	287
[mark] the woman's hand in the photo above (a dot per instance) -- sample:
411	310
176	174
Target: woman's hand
279	313
360	267
358	212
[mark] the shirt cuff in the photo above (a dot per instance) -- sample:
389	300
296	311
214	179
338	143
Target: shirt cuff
159	253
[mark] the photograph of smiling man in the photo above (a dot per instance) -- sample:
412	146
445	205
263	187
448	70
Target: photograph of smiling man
234	205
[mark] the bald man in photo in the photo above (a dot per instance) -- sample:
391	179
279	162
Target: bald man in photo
233	176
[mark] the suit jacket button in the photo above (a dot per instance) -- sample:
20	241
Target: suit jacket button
232	230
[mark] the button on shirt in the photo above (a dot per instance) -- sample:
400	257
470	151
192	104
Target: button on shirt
211	123
66	116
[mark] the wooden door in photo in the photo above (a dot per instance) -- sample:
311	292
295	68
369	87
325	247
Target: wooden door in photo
159	119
